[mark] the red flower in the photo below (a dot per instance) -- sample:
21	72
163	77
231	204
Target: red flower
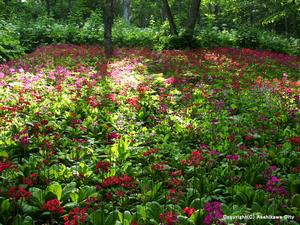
295	140
150	152
248	138
31	180
4	166
189	211
54	206
195	158
102	166
18	192
170	218
113	135
76	216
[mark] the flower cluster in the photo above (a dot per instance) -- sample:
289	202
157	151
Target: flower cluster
76	216
5	165
123	181
18	192
274	186
194	159
53	206
233	157
189	211
102	166
168	218
214	211
113	135
151	151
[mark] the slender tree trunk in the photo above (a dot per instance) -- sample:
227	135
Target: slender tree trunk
61	9
69	5
48	7
126	11
173	29
193	16
108	22
285	22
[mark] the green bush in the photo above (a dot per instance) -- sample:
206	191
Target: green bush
276	43
125	34
247	36
9	42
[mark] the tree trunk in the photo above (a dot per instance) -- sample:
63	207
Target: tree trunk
193	16
108	22
126	12
69	5
61	9
173	29
48	7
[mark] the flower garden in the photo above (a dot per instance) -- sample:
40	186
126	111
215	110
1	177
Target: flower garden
149	138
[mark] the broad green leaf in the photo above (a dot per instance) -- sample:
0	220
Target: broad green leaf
56	189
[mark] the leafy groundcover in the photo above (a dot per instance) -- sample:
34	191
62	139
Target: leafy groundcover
171	137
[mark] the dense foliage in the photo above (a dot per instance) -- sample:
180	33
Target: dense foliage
265	25
172	137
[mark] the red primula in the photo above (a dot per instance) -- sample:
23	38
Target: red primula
53	206
189	211
18	192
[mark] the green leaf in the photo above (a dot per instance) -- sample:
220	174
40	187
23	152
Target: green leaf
5	205
38	195
56	189
97	217
18	220
3	154
112	218
28	221
67	190
154	209
74	197
296	201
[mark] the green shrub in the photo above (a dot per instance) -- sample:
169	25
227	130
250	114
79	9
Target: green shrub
276	43
247	36
9	42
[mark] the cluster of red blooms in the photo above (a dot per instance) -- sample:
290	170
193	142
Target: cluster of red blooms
93	102
150	152
248	138
189	211
174	195
4	166
22	137
169	218
18	192
194	159
134	102
159	166
123	181
295	140
53	206
102	166
142	89
31	180
76	217
111	97
113	135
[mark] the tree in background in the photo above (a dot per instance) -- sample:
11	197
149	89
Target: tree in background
193	16
108	22
126	10
169	14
